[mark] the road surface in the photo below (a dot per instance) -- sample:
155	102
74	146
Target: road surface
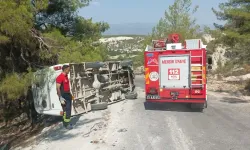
130	125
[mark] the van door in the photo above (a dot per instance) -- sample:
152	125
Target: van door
40	92
44	92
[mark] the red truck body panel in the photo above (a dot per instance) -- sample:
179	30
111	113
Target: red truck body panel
177	75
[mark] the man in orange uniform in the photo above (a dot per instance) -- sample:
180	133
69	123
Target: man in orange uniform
65	97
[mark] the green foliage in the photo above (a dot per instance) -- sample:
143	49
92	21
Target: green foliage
236	30
16	85
61	14
86	29
16	19
39	33
80	52
138	60
178	19
215	34
127	35
147	41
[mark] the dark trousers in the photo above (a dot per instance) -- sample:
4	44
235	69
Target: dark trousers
67	108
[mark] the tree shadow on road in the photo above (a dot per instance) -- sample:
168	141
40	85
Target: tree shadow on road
231	100
58	119
61	133
168	107
58	132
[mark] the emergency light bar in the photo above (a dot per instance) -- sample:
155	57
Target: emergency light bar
172	43
159	43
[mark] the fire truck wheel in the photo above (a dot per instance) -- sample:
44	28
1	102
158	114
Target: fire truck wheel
200	109
131	95
100	106
197	107
189	105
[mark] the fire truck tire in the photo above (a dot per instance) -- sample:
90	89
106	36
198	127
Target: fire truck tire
195	107
131	95
199	109
100	106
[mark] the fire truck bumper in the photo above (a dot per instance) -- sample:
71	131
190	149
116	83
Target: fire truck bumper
201	101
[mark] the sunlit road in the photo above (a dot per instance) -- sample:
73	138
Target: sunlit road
224	125
131	125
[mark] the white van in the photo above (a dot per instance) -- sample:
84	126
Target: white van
94	85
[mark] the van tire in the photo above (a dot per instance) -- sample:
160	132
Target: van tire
99	106
94	64
131	95
126	63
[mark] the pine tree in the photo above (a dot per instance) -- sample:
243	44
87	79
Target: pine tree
235	33
40	33
178	19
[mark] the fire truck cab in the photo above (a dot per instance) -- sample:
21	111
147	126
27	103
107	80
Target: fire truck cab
177	73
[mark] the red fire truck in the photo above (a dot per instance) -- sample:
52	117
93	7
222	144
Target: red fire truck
177	73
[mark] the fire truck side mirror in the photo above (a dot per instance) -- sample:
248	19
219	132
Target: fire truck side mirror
209	60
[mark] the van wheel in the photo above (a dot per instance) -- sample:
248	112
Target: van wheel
99	106
126	63
131	95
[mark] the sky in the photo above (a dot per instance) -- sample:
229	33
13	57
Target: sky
143	11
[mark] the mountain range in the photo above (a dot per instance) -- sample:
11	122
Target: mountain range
134	28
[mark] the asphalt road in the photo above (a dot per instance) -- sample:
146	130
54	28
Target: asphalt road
224	125
131	125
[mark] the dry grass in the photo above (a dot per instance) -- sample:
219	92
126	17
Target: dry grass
216	84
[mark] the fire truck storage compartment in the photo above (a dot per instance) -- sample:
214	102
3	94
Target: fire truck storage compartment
174	71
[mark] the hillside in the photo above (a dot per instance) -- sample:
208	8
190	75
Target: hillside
130	46
137	28
130	28
120	46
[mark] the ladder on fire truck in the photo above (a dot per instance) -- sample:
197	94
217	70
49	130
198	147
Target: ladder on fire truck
201	71
196	44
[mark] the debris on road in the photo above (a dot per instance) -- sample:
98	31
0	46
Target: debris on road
94	142
95	127
122	130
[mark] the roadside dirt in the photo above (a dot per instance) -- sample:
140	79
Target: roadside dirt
17	131
88	130
216	83
229	92
94	130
